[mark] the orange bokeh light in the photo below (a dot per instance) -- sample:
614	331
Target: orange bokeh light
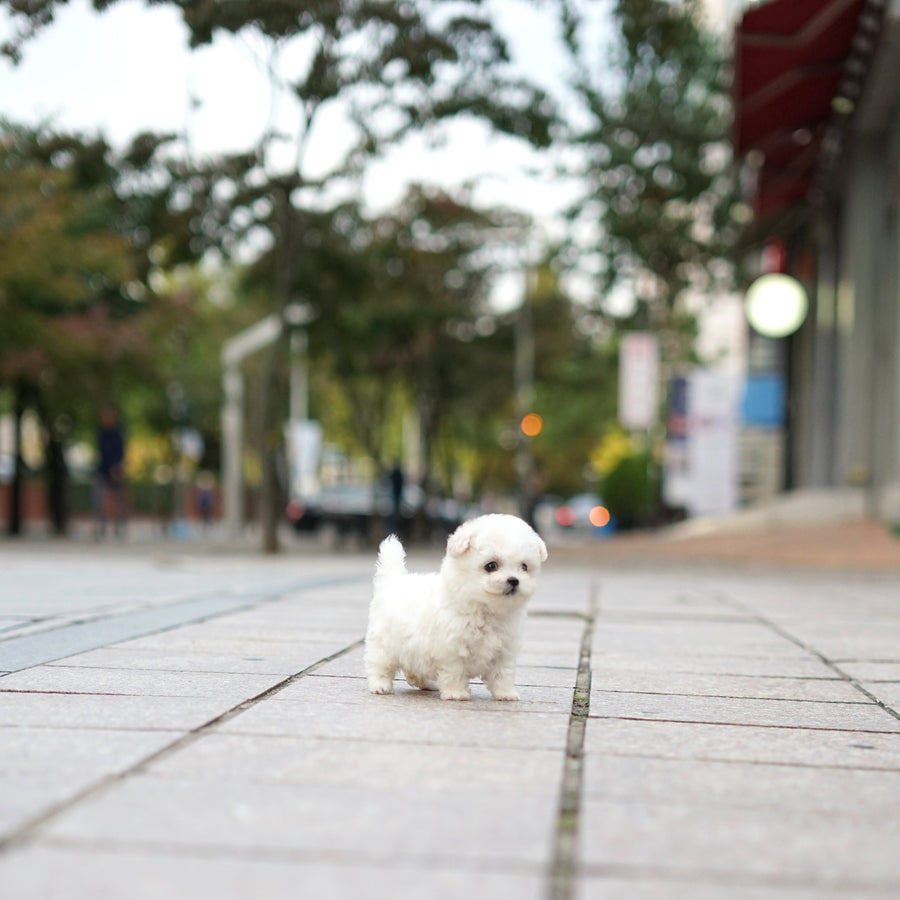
532	425
599	516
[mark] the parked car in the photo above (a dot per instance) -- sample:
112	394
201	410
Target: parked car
364	511
584	513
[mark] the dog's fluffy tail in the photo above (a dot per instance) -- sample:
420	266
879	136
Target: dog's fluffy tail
391	558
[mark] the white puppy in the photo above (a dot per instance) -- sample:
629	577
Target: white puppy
444	628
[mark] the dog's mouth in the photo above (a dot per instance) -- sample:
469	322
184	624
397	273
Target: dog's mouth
510	589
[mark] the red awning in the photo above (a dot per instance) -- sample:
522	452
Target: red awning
790	62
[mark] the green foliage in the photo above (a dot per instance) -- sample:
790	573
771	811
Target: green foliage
398	302
65	269
631	489
660	181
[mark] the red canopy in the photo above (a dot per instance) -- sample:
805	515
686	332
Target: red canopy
791	61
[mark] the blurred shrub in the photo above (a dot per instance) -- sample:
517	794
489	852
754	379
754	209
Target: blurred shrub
631	489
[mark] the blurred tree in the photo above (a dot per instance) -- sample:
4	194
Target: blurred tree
660	182
421	313
67	272
387	68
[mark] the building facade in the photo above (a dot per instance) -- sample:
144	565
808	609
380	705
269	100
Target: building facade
817	126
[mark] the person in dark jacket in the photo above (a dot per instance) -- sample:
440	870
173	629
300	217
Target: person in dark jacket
109	485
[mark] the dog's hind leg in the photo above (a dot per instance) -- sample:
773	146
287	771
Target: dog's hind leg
423	684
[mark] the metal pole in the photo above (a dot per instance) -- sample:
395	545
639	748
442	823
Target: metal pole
232	450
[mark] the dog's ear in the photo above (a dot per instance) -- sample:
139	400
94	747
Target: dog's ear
460	541
542	549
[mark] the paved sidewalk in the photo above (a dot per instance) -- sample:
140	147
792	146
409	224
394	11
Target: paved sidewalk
198	727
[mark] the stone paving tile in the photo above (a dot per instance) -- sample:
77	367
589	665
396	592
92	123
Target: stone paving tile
642	885
534	657
743	743
79	680
77	872
789	845
337	689
220	757
194	644
799	665
871	670
858	794
351	665
274	633
887	693
709	639
211	635
43	767
77	753
108	711
786	713
710	685
268	660
26	797
383	824
416	717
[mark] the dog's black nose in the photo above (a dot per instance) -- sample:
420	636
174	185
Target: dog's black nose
512	582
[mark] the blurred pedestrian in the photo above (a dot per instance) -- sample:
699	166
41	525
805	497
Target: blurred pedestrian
205	497
109	484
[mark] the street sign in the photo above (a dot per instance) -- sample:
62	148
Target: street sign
638	380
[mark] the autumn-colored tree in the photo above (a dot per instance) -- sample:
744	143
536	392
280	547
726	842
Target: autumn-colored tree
65	268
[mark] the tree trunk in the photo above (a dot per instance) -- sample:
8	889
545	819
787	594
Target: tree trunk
270	438
270	493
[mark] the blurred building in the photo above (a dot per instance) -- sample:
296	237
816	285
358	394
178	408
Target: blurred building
817	127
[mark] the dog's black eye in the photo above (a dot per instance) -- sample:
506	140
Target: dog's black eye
491	567
524	567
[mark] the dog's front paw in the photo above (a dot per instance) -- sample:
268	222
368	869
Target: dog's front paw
455	694
511	694
381	686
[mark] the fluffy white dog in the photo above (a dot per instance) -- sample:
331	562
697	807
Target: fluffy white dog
444	628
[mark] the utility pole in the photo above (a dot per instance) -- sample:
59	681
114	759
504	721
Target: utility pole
524	400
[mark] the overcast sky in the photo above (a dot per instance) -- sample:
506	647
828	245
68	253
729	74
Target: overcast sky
130	70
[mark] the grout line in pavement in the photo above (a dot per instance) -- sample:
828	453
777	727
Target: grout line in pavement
561	882
695	878
23	832
762	763
746	725
737	696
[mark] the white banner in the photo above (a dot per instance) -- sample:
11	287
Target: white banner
638	380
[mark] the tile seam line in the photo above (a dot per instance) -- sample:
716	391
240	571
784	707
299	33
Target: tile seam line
739	696
752	762
561	876
808	648
25	831
217	851
742	878
743	724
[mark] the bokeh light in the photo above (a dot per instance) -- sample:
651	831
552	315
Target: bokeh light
565	516
776	305
599	516
532	425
